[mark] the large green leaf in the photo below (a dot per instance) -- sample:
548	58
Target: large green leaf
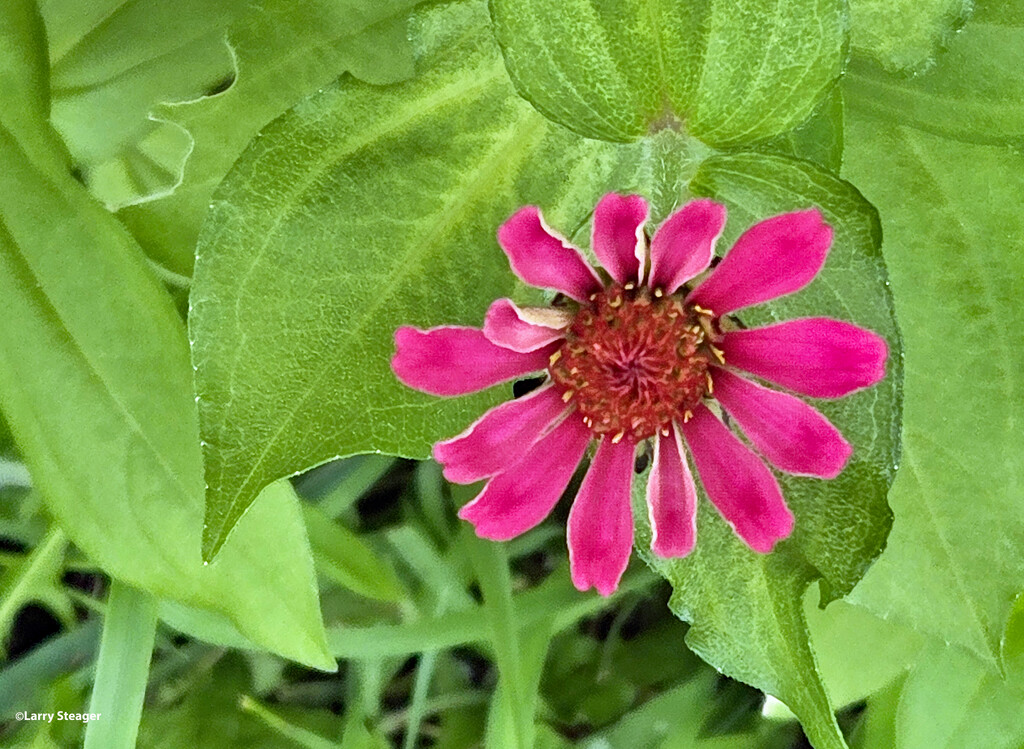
975	90
912	43
96	384
746	608
361	210
728	72
284	51
955	249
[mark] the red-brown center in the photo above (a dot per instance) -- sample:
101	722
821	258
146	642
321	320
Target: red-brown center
634	363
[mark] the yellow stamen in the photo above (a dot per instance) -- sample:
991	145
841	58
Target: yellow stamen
555	357
719	354
702	311
659	293
687	416
566	396
629	286
711	384
664	432
618	437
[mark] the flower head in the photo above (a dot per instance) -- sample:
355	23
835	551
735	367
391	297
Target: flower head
649	350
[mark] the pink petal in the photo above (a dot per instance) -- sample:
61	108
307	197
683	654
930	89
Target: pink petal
773	258
684	245
815	356
600	532
671	499
737	482
618	237
520	330
794	436
455	361
522	496
500	437
542	258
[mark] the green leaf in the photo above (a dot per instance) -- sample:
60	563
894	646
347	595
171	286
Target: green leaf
116	455
745	608
842	524
951	701
975	90
22	681
297	735
677	719
36	579
818	139
361	210
730	73
471	625
25	83
345	558
877	728
953	228
284	51
858	653
112	62
24	71
210	707
911	44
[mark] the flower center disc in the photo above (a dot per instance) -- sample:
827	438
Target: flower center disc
633	363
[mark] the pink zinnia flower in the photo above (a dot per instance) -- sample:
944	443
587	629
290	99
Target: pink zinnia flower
646	352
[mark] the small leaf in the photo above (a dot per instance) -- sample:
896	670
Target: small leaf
36	579
25	82
112	63
345	558
730	73
284	50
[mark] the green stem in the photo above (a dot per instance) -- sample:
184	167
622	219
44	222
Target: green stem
490	563
122	668
296	734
